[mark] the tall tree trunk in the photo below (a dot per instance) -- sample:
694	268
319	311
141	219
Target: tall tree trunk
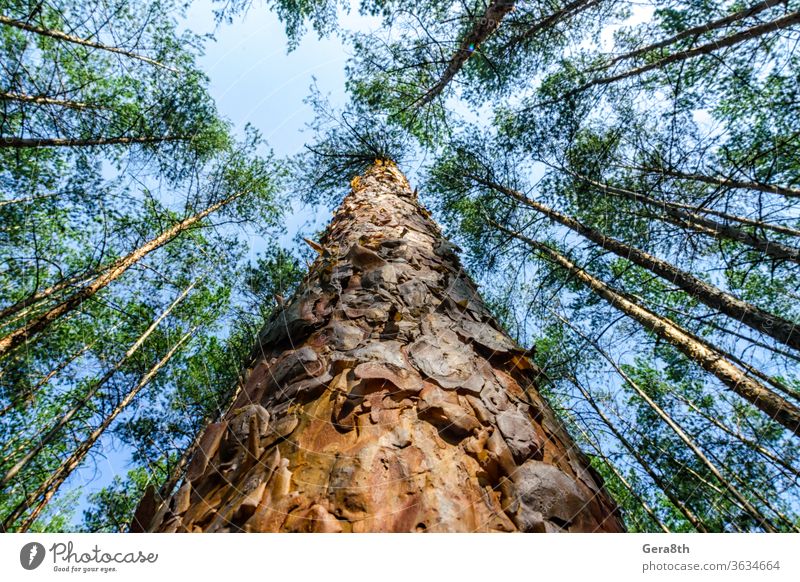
35	297
113	272
65	418
47	142
28	396
664	485
702	210
695	348
725	182
786	21
44	100
49	487
63	36
701	224
384	397
483	28
695	31
739	497
761	321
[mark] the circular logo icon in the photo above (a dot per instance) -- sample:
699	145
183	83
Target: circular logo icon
31	555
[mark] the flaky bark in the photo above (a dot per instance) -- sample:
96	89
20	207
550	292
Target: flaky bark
384	397
696	349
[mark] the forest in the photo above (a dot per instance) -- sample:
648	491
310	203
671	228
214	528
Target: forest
541	260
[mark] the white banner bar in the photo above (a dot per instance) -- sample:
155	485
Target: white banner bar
386	557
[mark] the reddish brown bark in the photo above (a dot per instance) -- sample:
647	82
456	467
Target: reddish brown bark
384	397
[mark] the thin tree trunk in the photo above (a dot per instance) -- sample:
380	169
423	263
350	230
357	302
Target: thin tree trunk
90	393
31	394
57	34
621	478
741	500
383	397
703	225
687	512
79	279
696	349
776	327
568	11
114	271
725	182
739	436
693	32
27	199
42	142
483	28
728	41
50	486
44	100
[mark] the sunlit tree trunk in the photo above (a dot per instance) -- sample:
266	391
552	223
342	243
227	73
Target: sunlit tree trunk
41	496
761	321
698	350
384	397
118	268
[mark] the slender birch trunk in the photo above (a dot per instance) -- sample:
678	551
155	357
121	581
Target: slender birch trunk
384	397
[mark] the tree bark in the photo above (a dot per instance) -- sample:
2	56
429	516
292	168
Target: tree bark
664	486
35	297
751	33
761	321
113	272
696	349
44	100
739	497
46	142
725	182
484	28
384	397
